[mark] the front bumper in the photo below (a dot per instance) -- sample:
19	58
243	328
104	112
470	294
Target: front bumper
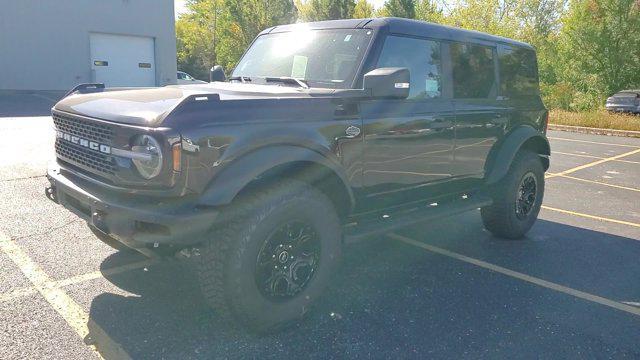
147	224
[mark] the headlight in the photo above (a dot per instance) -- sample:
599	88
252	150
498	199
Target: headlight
149	163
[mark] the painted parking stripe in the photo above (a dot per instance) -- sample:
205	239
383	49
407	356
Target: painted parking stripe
30	290
60	301
597	182
601	161
592	142
599	218
520	276
592	157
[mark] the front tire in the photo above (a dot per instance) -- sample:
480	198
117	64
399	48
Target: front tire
273	257
516	198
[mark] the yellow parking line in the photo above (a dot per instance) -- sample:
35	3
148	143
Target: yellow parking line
30	290
61	302
593	157
598	182
601	161
520	276
599	218
592	142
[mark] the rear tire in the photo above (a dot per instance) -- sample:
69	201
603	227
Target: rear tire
516	198
273	256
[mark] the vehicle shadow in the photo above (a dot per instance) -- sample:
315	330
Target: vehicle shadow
28	104
390	299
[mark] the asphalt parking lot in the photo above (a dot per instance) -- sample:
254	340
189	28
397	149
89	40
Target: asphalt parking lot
571	289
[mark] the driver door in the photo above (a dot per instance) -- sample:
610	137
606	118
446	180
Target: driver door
408	143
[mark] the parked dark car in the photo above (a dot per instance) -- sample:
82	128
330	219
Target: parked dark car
186	79
325	132
624	101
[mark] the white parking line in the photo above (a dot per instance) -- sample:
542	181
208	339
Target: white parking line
59	300
520	276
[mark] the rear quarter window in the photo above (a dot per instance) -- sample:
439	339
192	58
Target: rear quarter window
518	72
473	71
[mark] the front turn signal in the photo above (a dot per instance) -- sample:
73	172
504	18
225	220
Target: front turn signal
176	152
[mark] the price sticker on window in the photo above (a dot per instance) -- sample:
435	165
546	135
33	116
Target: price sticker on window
299	68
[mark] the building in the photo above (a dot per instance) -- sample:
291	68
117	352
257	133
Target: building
56	44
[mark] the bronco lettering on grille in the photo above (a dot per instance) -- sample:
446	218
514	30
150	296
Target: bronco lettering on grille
105	149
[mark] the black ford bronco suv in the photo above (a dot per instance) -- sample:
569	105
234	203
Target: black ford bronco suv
325	132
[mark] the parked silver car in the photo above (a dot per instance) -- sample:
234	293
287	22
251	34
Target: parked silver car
624	101
186	79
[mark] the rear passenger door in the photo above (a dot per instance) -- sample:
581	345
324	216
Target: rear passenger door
481	116
408	143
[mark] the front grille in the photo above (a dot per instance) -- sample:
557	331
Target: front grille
80	156
84	128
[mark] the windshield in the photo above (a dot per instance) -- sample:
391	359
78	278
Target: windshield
321	58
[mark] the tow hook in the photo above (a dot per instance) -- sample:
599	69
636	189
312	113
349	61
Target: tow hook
50	192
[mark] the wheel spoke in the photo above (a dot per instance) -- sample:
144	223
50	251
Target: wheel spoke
287	261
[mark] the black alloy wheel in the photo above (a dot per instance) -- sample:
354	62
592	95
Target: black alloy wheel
526	195
287	261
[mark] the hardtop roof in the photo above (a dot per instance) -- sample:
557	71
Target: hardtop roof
405	27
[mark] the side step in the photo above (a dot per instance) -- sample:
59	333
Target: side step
427	212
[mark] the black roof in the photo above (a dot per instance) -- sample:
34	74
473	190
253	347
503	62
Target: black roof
406	27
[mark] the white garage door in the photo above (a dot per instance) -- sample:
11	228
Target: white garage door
119	60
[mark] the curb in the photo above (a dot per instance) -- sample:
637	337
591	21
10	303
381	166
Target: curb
595	131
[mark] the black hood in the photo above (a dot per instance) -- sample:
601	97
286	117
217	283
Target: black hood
149	106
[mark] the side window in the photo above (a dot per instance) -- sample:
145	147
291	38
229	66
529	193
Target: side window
181	76
421	57
518	72
473	71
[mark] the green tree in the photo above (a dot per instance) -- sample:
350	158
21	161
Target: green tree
399	8
363	9
196	37
318	10
218	31
600	48
428	10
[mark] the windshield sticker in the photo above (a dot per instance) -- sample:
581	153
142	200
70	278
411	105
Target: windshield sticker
299	68
431	86
347	38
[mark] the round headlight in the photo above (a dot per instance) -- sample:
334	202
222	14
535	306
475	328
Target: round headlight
149	163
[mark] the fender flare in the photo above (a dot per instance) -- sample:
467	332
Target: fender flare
240	172
509	148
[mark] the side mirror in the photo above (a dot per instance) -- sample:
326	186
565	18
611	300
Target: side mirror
389	83
217	74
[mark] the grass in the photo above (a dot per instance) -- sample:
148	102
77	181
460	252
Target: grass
596	119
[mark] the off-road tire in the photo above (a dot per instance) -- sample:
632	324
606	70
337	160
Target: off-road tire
109	240
501	218
227	261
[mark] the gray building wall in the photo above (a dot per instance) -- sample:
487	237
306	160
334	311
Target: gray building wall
44	44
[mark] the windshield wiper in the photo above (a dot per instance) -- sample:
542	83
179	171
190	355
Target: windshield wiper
287	79
242	79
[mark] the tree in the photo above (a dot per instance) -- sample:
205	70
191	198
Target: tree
600	45
196	37
218	31
363	9
318	10
400	8
428	10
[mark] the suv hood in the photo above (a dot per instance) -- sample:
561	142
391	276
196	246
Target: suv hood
149	106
